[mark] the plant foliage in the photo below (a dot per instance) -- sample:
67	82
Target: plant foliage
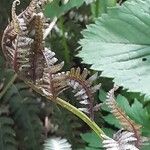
20	125
135	111
118	45
58	8
24	125
92	140
7	133
24	108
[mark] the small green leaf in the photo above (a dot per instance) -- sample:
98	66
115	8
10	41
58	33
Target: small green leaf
102	95
112	120
92	139
94	142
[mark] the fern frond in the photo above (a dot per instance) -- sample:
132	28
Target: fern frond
57	144
4	109
123	119
52	82
15	41
15	20
24	110
36	58
122	140
7	133
83	88
22	41
34	7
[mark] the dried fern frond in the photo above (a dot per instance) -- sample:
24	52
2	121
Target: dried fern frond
24	53
15	42
35	7
52	82
27	53
15	20
123	119
57	144
122	140
36	57
83	88
22	41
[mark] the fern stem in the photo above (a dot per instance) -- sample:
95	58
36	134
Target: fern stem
81	115
8	85
64	42
97	8
72	109
62	103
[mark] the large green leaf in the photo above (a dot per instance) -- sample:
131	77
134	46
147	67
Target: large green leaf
118	44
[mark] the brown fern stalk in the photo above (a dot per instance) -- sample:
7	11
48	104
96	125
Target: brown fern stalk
123	119
34	7
36	56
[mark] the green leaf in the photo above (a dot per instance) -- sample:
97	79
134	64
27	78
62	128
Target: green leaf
135	111
112	120
102	95
101	6
94	142
92	139
119	45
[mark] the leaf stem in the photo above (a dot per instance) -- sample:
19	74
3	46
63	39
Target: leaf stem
72	109
81	115
8	85
64	42
97	8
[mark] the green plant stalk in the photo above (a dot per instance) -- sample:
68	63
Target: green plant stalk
81	115
8	85
62	103
72	109
97	8
64	42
